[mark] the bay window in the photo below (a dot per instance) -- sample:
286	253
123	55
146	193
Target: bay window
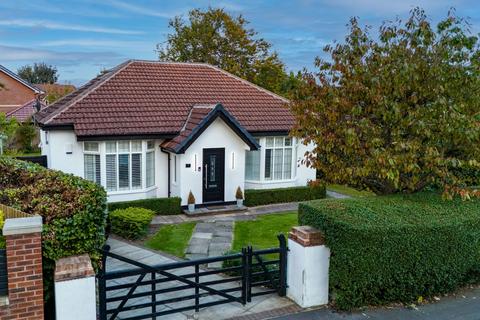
124	164
276	160
91	161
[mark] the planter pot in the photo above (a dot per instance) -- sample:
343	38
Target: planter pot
191	207
239	203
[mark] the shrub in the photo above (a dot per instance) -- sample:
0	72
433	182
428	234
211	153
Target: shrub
73	210
239	194
397	248
2	238
131	223
165	206
268	196
191	198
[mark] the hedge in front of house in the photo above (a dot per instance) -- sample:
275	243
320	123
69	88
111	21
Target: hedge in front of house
258	197
397	248
166	206
73	210
131	223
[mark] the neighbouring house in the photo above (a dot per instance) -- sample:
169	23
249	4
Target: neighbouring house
158	129
15	92
24	113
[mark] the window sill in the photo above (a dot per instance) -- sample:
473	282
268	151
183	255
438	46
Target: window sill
270	181
132	191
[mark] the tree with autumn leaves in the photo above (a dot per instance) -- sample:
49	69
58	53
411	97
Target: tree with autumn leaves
395	113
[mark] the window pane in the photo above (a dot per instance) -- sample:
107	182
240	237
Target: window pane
279	142
252	165
150	145
150	168
91	146
111	163
269	143
136	170
123	171
268	164
288	142
278	164
287	164
123	146
92	167
136	146
111	147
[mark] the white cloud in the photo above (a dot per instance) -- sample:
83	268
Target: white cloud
60	26
16	54
389	7
154	12
97	43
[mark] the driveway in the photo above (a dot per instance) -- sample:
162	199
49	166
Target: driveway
259	306
464	306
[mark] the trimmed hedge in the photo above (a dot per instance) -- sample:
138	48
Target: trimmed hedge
131	223
73	210
258	197
397	248
166	206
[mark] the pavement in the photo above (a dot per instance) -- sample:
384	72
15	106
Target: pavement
461	306
261	307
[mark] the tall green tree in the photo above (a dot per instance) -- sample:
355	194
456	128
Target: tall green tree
38	73
215	37
395	113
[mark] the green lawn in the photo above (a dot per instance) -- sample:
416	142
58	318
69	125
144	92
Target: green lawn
172	238
262	233
349	191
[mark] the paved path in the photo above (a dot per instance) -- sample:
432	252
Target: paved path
211	238
464	306
253	211
254	310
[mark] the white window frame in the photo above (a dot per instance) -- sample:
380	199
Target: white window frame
263	143
148	151
92	152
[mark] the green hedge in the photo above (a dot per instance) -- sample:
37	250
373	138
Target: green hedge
131	223
281	195
73	210
165	206
397	248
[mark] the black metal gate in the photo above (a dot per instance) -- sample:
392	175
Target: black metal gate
145	291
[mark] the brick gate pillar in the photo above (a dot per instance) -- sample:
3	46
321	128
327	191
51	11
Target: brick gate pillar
24	269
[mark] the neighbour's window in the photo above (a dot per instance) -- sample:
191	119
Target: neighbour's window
91	161
278	158
150	164
252	165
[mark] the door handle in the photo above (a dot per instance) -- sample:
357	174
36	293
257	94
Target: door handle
206	176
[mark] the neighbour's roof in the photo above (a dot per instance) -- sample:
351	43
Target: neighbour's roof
199	118
24	82
24	112
155	98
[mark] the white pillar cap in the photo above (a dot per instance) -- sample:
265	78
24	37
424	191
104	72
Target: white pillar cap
22	225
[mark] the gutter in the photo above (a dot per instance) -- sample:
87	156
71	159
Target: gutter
168	169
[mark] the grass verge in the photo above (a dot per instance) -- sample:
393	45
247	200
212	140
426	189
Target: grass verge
172	239
348	191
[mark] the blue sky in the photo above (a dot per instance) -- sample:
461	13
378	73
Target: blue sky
81	37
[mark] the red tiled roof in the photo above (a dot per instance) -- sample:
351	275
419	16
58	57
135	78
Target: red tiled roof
24	112
199	117
147	97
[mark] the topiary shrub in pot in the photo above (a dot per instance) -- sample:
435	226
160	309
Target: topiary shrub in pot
191	202
239	197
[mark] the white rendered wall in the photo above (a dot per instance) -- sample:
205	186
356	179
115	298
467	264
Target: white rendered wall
76	299
56	143
217	135
307	274
301	174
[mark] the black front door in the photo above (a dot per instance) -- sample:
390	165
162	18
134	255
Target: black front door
213	175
